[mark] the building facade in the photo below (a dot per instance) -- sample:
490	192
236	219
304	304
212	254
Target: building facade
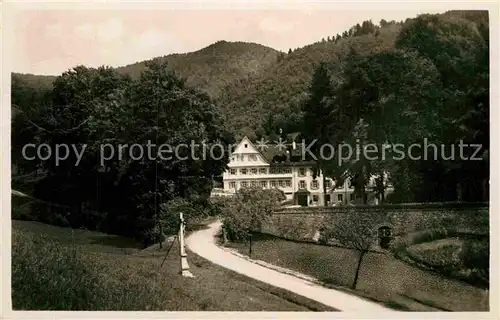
249	167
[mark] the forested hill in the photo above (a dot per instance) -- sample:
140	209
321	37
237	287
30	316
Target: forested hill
210	69
260	89
216	66
271	100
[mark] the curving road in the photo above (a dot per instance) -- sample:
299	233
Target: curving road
203	243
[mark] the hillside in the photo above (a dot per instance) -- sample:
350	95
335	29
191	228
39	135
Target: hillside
86	270
260	89
210	69
216	66
274	95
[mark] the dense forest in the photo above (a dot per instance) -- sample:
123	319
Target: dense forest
384	83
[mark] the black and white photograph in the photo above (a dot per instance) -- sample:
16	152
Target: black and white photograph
281	157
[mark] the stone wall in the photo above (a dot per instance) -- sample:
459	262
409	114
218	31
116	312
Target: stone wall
304	223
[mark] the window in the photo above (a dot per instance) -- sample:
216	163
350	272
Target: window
328	183
287	170
302	184
273	183
276	170
244	184
340	198
232	171
263	184
246	145
315	198
254	170
288	183
232	185
252	157
281	183
242	157
314	184
262	170
302	172
327	198
253	183
244	171
351	197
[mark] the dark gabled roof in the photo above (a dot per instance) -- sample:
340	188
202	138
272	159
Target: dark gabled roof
287	156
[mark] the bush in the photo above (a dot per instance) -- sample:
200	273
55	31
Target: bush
475	255
245	212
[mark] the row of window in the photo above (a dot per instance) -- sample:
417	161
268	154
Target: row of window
242	157
246	171
262	184
279	183
302	183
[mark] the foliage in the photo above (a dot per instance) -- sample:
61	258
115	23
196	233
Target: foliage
99	107
475	255
432	85
245	212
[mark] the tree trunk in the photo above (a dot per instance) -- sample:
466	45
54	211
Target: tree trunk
361	255
250	247
161	234
324	190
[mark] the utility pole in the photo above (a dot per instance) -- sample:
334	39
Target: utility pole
182	250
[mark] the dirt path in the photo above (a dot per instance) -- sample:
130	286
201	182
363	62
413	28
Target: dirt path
203	243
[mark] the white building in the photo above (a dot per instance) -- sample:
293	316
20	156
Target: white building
248	167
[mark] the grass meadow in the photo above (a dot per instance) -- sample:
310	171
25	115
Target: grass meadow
382	278
56	268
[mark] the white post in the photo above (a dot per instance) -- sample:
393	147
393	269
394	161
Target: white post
182	250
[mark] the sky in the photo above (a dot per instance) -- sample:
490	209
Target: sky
53	41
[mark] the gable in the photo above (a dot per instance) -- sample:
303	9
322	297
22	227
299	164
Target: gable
246	147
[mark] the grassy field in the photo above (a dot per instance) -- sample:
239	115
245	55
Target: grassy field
57	268
382	277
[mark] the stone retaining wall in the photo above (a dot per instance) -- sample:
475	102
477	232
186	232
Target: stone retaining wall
304	223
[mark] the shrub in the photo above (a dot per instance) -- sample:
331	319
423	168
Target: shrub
476	255
245	212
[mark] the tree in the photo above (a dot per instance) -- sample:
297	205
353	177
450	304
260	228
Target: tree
355	230
316	116
289	50
459	49
171	113
84	102
245	213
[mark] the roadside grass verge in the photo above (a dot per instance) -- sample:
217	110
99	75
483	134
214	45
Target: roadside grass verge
382	277
57	268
